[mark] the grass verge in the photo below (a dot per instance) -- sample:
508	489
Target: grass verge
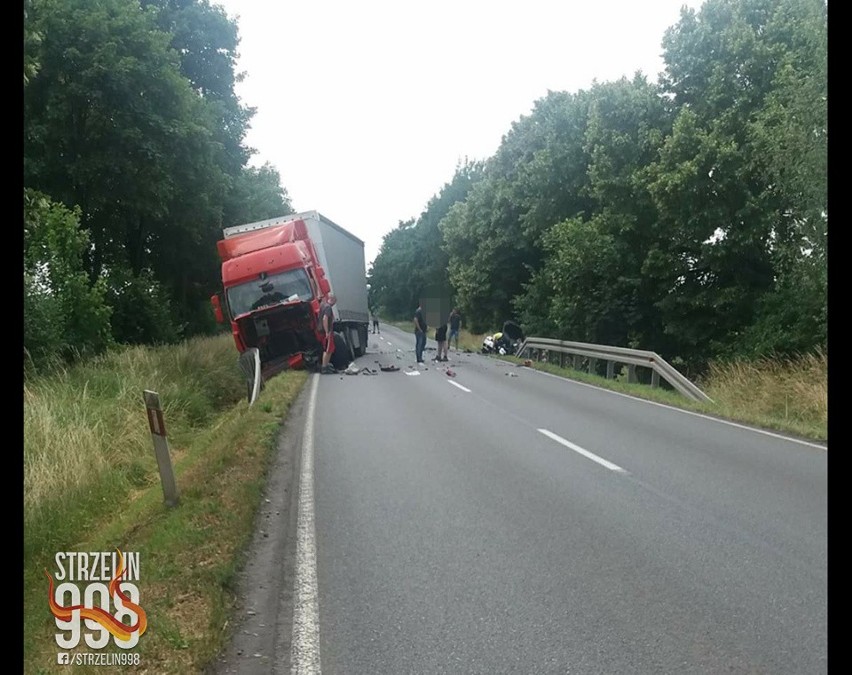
789	396
189	555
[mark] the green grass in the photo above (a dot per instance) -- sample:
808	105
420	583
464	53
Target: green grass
92	484
86	435
790	396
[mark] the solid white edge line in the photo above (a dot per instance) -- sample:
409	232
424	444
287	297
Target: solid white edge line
688	412
305	645
456	384
585	453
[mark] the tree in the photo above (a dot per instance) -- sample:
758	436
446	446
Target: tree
32	39
64	317
146	140
389	277
791	138
206	41
412	256
591	286
103	121
714	184
257	195
536	179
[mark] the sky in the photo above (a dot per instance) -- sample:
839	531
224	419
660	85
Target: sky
367	108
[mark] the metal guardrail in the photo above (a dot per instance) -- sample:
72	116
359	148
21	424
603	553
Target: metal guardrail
613	355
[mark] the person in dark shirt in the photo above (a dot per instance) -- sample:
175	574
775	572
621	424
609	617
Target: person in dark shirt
441	339
419	332
455	327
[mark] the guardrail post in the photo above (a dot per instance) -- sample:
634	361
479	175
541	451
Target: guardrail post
561	359
161	447
655	378
631	374
593	366
575	361
610	370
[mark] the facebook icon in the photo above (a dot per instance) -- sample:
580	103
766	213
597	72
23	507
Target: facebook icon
63	658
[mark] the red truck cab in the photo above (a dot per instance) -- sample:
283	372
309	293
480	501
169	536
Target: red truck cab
272	287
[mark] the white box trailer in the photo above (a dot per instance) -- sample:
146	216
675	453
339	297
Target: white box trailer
341	255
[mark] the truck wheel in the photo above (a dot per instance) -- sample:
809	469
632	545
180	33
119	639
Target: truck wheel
350	343
340	358
363	334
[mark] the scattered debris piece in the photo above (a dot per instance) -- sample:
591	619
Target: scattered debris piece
451	373
388	369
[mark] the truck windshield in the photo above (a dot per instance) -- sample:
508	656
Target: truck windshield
274	289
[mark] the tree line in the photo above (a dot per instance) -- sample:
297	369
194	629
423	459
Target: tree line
134	161
686	216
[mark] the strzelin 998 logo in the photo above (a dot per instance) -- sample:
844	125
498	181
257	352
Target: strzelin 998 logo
105	610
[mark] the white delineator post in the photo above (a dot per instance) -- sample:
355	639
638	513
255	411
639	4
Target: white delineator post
161	447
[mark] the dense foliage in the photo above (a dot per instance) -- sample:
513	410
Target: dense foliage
687	216
132	130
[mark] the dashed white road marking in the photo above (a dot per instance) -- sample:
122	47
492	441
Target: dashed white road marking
456	384
581	451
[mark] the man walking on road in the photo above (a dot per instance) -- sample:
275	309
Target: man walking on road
455	327
327	330
419	332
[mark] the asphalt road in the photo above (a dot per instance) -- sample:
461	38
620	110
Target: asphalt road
507	521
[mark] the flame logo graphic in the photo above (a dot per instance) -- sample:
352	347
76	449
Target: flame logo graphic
118	629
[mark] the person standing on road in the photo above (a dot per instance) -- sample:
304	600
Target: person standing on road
419	332
375	323
441	339
327	330
455	327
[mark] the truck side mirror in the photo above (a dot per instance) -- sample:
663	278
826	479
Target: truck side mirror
217	308
325	287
